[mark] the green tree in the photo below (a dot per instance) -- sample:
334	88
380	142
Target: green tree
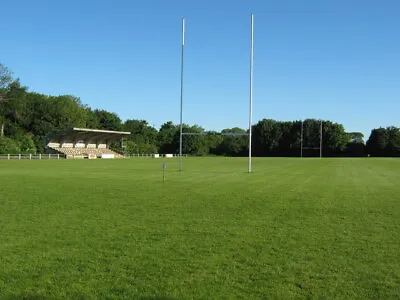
354	149
289	143
356	137
8	146
68	112
143	138
28	117
213	141
377	142
5	76
232	145
108	120
91	119
334	138
15	109
311	134
5	81
27	144
166	140
393	145
356	146
267	134
43	116
192	144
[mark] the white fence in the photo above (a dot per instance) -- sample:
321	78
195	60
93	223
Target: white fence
62	156
153	155
30	156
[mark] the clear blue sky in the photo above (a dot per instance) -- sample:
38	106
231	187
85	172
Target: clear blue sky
336	60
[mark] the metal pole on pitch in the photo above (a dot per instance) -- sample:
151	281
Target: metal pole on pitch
320	141
251	86
181	113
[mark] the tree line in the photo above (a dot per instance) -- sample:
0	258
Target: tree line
26	118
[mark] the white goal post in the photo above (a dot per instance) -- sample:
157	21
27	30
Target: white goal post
249	134
314	148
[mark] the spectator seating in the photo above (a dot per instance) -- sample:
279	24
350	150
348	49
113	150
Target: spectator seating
84	143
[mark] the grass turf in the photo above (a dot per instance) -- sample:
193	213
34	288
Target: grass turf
294	228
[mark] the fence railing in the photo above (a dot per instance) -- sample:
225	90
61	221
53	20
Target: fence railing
152	155
62	156
30	156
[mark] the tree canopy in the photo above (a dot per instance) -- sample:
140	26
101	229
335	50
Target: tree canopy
27	117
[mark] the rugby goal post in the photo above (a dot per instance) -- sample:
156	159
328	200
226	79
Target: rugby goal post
310	148
249	134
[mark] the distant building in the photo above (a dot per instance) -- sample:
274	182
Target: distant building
84	143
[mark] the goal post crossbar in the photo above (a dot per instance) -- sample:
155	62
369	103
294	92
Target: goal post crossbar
313	148
249	134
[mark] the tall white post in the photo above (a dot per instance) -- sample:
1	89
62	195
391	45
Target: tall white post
182	52
251	87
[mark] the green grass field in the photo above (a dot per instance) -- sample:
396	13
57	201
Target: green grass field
294	228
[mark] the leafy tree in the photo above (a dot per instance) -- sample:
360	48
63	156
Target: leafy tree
393	145
233	145
131	147
356	146
267	134
43	117
290	143
5	76
15	109
5	80
166	139
356	137
384	142
311	133
8	146
141	131
27	144
27	117
108	120
354	149
377	142
334	138
91	118
143	138
213	140
191	144
68	112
